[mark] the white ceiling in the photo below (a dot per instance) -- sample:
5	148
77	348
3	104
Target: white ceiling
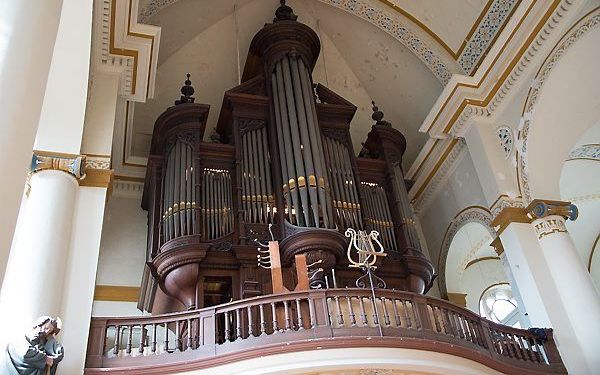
361	61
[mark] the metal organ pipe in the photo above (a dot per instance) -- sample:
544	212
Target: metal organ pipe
282	153
408	216
279	96
296	144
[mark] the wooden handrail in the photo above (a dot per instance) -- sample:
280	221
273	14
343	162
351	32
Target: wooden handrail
254	324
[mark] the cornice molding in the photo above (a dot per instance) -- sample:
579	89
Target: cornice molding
527	33
123	45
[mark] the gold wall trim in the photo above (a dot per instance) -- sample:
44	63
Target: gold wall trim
116	293
459	299
475	261
97	178
129	178
497	245
129	52
506	72
510	215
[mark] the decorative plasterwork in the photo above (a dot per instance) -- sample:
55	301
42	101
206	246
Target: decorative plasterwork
481	94
394	26
585	152
549	225
472	214
128	188
75	165
583	26
506	140
500	71
124	45
505	201
485	34
435	175
384	19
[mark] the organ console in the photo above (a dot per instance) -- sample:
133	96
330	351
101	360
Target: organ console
284	157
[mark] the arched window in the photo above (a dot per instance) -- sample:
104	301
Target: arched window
498	304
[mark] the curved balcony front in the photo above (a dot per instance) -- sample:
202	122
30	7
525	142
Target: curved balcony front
313	320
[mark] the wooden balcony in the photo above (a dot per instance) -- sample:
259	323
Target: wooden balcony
310	320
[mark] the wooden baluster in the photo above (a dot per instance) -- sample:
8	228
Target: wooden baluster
288	320
386	316
435	319
274	313
508	344
363	315
396	315
466	329
406	314
238	324
153	349
459	327
197	331
189	330
527	355
250	321
129	339
312	312
447	323
351	310
537	351
374	307
299	314
227	328
166	336
263	323
142	339
516	347
177	336
339	309
117	340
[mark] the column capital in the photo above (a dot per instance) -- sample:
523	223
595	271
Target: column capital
88	170
537	209
548	225
73	164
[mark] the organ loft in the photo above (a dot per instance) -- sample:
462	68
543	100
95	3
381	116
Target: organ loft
283	168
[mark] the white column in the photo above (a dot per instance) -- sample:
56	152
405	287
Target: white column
27	35
34	281
80	276
575	291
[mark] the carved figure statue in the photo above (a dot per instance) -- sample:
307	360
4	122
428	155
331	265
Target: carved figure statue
38	352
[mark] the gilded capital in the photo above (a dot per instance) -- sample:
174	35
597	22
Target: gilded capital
539	208
75	165
549	225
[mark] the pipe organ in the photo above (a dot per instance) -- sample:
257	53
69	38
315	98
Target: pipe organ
284	158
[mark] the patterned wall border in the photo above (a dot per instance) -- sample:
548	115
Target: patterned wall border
383	19
471	214
585	152
581	28
486	33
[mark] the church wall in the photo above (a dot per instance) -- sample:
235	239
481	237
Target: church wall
122	252
460	190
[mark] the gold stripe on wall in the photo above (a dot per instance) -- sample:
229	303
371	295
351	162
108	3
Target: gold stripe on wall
116	293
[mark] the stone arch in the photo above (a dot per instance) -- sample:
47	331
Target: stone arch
538	101
471	214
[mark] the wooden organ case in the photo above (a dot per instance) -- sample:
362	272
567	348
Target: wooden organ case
284	157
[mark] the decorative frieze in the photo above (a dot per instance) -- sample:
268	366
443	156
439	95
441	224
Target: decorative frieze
505	201
585	152
548	225
75	165
487	30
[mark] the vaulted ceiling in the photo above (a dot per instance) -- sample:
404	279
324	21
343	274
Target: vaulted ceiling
362	59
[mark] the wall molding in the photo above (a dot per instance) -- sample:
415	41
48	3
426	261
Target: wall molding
116	293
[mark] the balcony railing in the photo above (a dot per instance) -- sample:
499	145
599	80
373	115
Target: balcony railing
309	320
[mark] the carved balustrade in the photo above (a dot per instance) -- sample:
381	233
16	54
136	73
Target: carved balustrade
309	320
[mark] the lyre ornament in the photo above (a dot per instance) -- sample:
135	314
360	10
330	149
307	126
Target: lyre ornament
364	244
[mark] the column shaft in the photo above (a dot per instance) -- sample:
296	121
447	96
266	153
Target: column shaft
26	44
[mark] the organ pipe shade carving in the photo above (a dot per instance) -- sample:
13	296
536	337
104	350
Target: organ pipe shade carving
179	197
304	180
378	215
